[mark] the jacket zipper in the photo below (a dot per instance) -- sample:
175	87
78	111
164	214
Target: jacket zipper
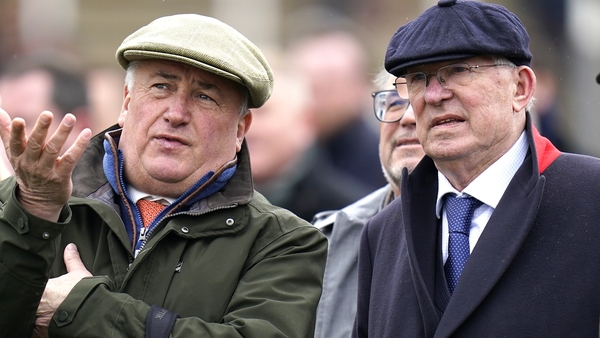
147	234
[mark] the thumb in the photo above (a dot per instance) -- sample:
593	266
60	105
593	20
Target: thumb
72	259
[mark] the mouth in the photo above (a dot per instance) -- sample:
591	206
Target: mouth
170	140
446	121
407	142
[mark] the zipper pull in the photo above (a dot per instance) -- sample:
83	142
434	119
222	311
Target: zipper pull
143	232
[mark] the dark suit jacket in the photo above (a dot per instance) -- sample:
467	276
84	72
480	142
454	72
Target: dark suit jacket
534	272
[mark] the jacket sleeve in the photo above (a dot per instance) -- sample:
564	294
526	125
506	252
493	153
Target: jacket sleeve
26	253
361	322
276	296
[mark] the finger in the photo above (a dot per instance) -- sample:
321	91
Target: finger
37	138
18	138
66	163
55	143
72	259
5	121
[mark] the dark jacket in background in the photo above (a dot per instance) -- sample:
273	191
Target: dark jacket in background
314	186
355	151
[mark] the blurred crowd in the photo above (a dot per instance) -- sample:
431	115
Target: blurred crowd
314	145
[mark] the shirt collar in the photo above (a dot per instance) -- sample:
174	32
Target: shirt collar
490	185
137	195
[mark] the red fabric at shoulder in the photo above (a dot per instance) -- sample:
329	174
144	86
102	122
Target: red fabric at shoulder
546	151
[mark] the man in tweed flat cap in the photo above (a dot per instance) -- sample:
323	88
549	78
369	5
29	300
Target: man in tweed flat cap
496	232
152	228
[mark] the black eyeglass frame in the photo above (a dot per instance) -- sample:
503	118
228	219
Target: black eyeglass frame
380	118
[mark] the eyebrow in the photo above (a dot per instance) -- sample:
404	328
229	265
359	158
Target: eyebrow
200	83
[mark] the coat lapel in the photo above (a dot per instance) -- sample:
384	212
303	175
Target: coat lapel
421	231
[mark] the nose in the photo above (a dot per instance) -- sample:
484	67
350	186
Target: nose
178	111
408	119
435	91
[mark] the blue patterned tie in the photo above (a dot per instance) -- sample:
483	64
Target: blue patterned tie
459	212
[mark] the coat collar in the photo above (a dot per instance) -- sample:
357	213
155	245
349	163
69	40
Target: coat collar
89	179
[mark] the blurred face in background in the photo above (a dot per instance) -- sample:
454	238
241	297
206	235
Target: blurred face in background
27	95
399	146
282	130
335	65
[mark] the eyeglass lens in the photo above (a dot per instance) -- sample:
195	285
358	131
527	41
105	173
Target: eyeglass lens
448	75
389	107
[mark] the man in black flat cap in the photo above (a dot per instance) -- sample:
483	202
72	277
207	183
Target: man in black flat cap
497	233
152	228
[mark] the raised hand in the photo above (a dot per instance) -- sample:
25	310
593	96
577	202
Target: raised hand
43	175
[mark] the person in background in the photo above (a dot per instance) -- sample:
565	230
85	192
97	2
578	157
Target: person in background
287	166
496	231
335	64
34	83
398	148
152	229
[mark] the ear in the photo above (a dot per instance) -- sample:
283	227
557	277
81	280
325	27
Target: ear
125	106
525	88
243	126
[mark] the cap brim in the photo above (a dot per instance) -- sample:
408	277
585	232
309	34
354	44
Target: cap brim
402	68
135	55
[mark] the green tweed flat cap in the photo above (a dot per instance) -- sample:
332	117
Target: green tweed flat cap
206	43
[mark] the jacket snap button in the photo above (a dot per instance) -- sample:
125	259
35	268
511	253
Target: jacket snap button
185	230
46	235
21	223
229	222
63	316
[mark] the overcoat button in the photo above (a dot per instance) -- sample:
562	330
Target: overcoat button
63	316
46	235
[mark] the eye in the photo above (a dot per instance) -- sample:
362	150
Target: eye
206	100
415	78
160	86
457	69
397	105
204	97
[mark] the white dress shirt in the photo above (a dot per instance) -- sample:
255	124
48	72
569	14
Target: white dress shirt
488	188
137	195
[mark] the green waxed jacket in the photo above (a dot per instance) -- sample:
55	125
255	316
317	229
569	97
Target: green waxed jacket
231	266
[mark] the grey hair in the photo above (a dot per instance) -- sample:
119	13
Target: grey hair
502	61
130	79
382	80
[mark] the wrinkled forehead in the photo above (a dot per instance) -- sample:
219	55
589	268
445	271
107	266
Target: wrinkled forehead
177	71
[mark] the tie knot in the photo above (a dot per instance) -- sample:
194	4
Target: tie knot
149	210
459	211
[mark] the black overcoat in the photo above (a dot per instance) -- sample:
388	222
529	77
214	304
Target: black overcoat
535	271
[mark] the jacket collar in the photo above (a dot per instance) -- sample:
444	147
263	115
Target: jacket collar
89	179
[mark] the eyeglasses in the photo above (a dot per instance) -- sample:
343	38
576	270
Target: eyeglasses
414	84
388	106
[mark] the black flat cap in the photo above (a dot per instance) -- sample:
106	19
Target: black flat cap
456	29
